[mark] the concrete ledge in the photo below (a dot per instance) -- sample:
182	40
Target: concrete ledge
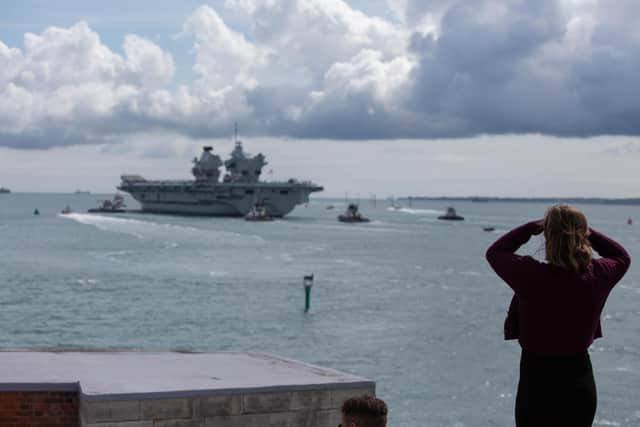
169	389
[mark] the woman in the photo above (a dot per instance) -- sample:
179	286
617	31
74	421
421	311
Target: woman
555	313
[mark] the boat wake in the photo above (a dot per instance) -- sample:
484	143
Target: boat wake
412	211
150	229
131	227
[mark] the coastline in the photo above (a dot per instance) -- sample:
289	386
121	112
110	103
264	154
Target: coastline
572	200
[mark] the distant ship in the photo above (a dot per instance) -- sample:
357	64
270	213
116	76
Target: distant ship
352	215
82	192
258	213
4	190
116	205
451	215
236	195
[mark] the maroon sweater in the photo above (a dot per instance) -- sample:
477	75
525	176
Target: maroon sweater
554	311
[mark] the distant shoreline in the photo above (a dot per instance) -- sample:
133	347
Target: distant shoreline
573	200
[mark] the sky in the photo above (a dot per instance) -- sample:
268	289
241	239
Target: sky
385	97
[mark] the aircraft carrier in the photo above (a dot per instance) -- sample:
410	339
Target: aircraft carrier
235	195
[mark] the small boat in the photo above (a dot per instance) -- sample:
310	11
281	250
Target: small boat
488	228
329	207
451	215
67	210
352	215
115	205
394	205
258	213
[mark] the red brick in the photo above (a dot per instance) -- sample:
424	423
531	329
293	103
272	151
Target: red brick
38	409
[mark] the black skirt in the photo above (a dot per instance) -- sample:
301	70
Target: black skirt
555	391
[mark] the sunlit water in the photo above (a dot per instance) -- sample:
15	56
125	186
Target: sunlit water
405	300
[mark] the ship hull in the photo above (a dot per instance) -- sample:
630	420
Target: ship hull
185	198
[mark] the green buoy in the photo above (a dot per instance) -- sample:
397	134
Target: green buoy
307	282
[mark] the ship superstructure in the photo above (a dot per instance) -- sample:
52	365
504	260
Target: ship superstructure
239	190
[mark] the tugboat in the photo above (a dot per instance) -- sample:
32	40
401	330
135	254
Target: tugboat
352	215
67	210
258	213
116	205
451	215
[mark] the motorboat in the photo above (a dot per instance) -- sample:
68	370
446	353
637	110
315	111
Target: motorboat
352	215
488	228
259	212
115	205
67	210
451	215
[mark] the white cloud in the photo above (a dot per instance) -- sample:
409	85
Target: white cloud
368	73
223	57
146	63
67	87
304	38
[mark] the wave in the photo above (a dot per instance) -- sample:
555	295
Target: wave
348	262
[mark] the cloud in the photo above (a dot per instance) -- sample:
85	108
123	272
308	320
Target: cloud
323	69
67	87
554	67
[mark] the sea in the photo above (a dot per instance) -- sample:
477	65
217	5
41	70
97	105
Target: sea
406	300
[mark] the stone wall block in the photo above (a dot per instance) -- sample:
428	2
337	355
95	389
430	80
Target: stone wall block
214	406
279	419
179	423
328	418
339	396
121	424
267	402
311	399
109	411
158	409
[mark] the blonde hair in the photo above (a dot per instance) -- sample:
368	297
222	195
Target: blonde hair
566	236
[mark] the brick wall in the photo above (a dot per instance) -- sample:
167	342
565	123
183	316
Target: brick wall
39	409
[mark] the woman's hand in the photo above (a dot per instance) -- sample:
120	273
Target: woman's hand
539	227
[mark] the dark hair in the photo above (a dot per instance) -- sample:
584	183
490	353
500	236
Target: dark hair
566	236
365	411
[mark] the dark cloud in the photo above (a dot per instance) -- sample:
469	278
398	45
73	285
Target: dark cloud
518	72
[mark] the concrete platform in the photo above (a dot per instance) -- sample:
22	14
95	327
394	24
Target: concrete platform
142	389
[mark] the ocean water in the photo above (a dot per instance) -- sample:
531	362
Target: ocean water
406	300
